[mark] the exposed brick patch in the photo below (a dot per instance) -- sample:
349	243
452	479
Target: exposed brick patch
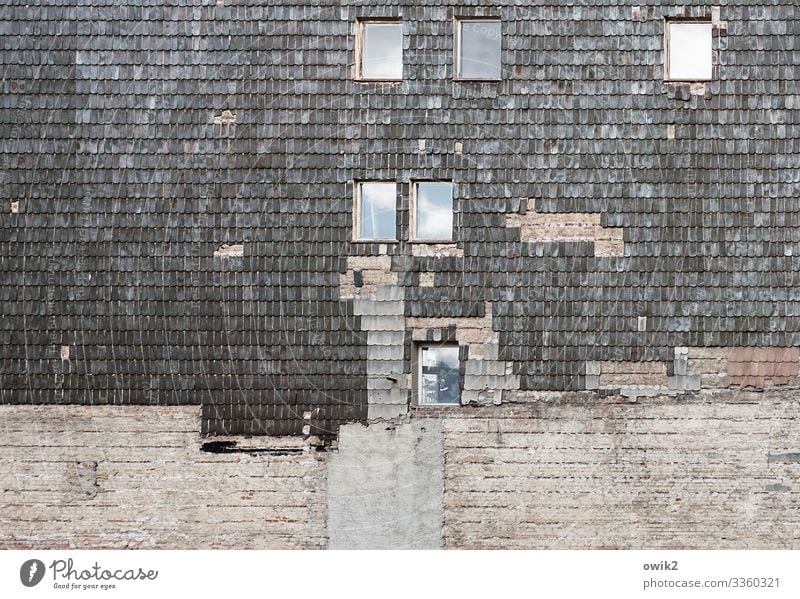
374	271
632	373
436	250
574	226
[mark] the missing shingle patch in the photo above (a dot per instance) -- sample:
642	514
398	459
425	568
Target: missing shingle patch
229	251
226	118
15	207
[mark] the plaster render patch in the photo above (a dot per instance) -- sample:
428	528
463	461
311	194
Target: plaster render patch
385	487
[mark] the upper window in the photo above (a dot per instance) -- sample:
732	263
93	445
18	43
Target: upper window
379	45
689	50
478	49
439	377
432	211
375	211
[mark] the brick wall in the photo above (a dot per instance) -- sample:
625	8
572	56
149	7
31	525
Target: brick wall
712	469
134	477
716	470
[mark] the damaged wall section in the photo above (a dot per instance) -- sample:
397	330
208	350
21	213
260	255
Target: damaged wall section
120	477
385	487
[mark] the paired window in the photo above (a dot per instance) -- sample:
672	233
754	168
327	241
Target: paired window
689	50
438	375
380	49
375	211
478	49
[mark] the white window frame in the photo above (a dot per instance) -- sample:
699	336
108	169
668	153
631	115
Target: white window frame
668	51
412	217
361	23
357	213
420	347
457	76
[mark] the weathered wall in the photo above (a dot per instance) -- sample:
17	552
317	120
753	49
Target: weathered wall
177	177
717	469
712	471
134	477
385	487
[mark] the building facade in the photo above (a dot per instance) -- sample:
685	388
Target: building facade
453	273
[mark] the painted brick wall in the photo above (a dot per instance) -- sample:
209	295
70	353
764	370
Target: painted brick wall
715	471
134	477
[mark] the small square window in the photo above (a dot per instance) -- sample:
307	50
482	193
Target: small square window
478	55
689	51
432	211
439	376
375	211
380	50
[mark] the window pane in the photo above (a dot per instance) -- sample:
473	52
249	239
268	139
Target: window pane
480	50
377	211
382	51
440	381
434	211
690	51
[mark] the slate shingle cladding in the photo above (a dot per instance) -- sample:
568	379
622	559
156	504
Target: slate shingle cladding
126	186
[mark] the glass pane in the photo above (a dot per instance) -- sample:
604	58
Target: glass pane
434	211
480	50
382	51
440	381
690	51
377	211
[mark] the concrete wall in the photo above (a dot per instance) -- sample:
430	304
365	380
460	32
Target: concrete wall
385	487
134	477
716	469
